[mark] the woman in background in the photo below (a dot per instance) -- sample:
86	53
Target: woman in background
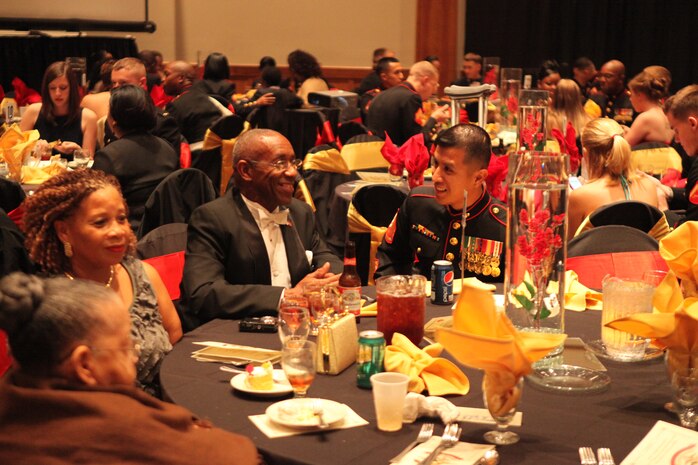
647	92
59	117
306	73
71	399
76	226
568	107
216	81
548	77
612	177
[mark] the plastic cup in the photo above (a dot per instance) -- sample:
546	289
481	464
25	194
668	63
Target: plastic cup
389	391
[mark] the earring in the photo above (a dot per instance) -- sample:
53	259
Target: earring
68	249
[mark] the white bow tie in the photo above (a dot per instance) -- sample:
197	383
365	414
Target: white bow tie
266	218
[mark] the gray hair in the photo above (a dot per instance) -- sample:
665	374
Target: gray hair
45	318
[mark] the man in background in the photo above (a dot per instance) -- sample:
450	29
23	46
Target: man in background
472	70
389	71
584	73
372	80
614	100
398	111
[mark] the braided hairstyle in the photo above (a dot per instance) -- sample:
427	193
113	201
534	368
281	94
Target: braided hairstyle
654	86
46	318
57	199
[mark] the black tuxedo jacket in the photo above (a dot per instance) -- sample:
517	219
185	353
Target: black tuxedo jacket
227	272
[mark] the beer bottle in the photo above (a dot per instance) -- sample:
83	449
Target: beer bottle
350	282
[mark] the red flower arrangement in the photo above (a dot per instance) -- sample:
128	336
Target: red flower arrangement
538	244
531	135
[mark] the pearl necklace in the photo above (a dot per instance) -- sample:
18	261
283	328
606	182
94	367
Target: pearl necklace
108	284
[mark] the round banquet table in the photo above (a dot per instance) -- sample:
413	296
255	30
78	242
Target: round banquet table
554	425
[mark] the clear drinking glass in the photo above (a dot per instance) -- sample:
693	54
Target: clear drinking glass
502	407
298	362
81	157
624	297
294	323
684	383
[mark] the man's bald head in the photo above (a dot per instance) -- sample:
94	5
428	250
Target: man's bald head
612	78
424	77
179	76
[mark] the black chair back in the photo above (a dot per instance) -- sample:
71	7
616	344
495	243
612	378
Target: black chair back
209	161
175	198
611	238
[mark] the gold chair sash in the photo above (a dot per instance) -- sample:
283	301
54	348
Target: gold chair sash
656	161
358	224
329	161
364	155
212	141
305	194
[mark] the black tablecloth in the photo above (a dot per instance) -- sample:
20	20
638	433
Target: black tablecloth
554	425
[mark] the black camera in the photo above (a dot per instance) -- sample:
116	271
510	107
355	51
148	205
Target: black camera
262	324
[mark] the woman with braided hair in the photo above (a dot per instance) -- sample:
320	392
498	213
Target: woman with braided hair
70	396
76	225
647	92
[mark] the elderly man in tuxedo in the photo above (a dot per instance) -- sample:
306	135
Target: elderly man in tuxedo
248	248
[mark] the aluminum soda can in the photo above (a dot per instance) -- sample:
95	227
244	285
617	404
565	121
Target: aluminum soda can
442	282
369	359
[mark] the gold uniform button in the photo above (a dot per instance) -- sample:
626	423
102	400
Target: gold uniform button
495	210
419	249
467	215
450	257
453	241
456	225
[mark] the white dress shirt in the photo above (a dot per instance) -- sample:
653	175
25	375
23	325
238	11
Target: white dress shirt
268	224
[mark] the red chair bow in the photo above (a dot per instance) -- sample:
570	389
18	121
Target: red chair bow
672	178
23	94
413	155
568	145
496	175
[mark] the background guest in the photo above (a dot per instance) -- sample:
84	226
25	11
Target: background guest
306	73
614	99
607	157
647	93
434	60
548	76
216	79
138	159
71	397
372	80
59	116
472	70
76	225
567	107
584	73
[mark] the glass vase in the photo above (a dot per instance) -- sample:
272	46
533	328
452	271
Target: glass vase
532	119
509	89
536	244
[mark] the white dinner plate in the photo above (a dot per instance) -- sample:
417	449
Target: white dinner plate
299	413
281	385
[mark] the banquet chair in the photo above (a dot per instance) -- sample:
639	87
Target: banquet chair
216	155
633	213
309	127
5	359
163	248
175	198
371	210
614	249
101	125
655	158
323	170
11	194
363	152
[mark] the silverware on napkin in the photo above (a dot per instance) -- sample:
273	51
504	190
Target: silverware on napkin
448	439
586	456
425	433
605	457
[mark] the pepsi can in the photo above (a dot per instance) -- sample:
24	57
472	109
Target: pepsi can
442	282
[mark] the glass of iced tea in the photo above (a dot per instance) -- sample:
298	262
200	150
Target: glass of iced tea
298	362
401	306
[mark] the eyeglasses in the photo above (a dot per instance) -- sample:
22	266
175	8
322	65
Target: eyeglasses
280	165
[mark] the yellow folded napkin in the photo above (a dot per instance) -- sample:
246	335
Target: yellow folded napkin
674	322
38	175
425	369
578	297
15	145
369	310
458	284
486	339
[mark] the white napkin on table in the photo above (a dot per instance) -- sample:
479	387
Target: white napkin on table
463	453
417	405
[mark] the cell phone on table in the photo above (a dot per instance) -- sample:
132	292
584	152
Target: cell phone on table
261	324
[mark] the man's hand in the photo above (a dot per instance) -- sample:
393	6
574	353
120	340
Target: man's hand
442	114
265	100
322	276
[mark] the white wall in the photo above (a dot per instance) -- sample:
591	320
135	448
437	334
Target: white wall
337	32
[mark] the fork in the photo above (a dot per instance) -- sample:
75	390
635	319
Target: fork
425	433
319	412
605	457
586	456
448	439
